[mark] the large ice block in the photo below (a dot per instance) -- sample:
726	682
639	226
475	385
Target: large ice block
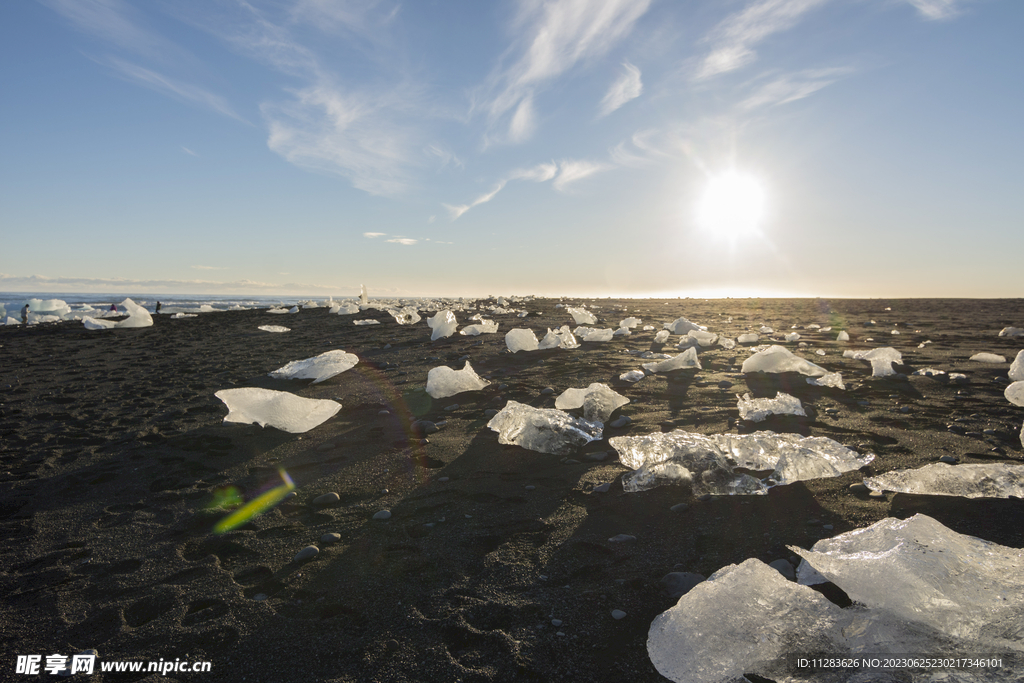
561	338
521	339
483	327
544	430
1016	371
710	461
581	316
985	480
280	409
757	409
137	317
881	360
598	401
985	357
682	326
594	334
443	381
317	368
407	315
443	324
1015	393
780	359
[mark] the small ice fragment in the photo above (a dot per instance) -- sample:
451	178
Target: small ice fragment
598	401
986	480
318	368
485	327
581	316
780	359
682	326
929	372
443	324
881	359
700	337
544	430
661	337
988	358
366	322
766	330
1015	393
829	379
726	343
622	332
591	334
347	309
293	309
521	339
793	336
179	315
280	409
748	338
561	338
405	316
685	360
632	376
843	336
443	382
1011	332
757	409
630	322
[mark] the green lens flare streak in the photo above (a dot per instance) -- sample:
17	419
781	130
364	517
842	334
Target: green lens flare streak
256	506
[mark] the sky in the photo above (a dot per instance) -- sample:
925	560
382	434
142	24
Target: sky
834	148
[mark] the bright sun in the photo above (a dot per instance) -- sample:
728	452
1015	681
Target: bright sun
733	204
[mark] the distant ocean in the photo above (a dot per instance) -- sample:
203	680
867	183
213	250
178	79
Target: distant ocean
13	301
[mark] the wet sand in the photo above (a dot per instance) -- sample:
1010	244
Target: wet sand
113	450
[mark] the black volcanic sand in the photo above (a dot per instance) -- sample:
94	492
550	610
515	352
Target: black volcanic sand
113	448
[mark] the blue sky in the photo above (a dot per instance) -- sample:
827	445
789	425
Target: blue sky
555	148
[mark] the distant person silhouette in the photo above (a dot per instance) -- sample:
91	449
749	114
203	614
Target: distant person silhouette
113	307
24	314
157	307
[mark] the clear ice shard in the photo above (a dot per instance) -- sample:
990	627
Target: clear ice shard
562	338
748	338
829	379
780	359
280	409
881	359
521	339
757	409
698	337
632	376
843	336
369	321
1015	393
407	315
988	358
345	309
274	328
917	588
592	334
1016	371
685	360
598	401
986	480
932	581
443	324
545	430
744	618
581	316
630	322
137	317
317	368
443	382
682	326
661	336
708	462
1011	332
483	327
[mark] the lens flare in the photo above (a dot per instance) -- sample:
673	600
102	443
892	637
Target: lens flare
732	205
256	506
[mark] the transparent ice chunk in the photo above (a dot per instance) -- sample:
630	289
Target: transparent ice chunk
561	338
317	368
630	322
280	409
1011	332
748	338
521	339
685	360
274	328
661	337
483	327
881	359
598	401
137	317
1015	393
592	334
843	336
757	409
581	315
443	381
544	430
829	379
986	480
1016	371
682	326
632	376
988	358
700	338
780	359
443	325
405	316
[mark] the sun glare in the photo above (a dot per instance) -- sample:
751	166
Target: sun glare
733	204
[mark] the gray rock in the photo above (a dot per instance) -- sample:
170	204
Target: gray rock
858	489
490	412
679	507
307	553
602	488
260	597
597	456
327	499
620	421
328	539
547	391
556	622
383	514
622	538
948	459
678	584
618	614
784	568
454	406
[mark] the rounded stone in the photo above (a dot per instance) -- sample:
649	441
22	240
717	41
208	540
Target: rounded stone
622	538
679	507
556	622
327	499
383	514
620	421
547	391
602	488
307	553
618	614
328	539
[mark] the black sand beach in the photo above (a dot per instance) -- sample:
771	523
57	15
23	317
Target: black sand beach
114	448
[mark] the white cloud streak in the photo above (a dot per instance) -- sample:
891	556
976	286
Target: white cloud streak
559	34
626	87
936	9
539	174
402	240
792	87
571	171
371	235
110	21
188	151
733	40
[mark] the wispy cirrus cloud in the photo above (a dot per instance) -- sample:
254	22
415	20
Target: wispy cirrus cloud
626	87
407	241
937	9
571	171
118	23
555	37
208	268
371	235
188	151
792	87
538	174
733	40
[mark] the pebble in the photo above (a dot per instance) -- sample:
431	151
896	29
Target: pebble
291	495
620	421
383	412
704	498
260	597
602	488
948	459
307	553
570	461
904	409
725	384
442	478
454	406
490	412
383	514
462	358
597	456
328	539
622	538
858	488
827	527
678	584
618	614
327	499
424	427
679	507
547	391
530	487
556	622
877	494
